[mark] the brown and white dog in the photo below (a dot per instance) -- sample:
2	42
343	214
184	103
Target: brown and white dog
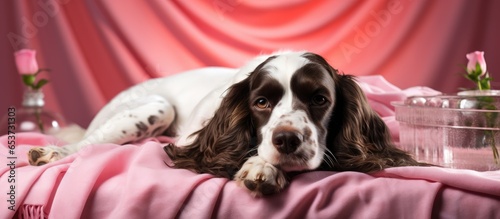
280	113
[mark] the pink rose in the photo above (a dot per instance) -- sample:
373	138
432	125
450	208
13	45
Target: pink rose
26	61
474	58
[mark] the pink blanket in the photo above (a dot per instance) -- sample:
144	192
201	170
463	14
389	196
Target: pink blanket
132	181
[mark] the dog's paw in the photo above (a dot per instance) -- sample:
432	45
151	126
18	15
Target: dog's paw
260	177
39	156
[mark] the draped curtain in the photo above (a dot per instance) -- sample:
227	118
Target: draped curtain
96	48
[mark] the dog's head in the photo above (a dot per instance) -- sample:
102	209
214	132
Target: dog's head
291	99
298	113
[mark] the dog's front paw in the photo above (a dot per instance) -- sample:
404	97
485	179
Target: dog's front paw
39	156
260	177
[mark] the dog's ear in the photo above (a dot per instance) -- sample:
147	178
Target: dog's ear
222	144
228	138
358	137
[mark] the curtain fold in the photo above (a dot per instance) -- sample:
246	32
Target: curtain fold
96	48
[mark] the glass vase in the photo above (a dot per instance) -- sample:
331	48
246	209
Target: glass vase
457	131
31	116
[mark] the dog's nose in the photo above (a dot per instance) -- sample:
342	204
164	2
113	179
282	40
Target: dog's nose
287	141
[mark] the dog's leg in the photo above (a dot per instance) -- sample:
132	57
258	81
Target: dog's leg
260	177
138	119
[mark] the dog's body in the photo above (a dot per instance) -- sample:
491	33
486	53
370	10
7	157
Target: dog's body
290	111
151	108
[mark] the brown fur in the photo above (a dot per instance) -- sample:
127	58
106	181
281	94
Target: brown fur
358	137
222	145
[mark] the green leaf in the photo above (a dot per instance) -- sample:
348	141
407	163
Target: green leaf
478	68
29	79
470	77
485	85
476	73
486	79
40	83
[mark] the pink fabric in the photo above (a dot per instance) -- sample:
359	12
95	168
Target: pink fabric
380	94
132	181
97	48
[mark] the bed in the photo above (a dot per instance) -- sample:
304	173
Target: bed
133	181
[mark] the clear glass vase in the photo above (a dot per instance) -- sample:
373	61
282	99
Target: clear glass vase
457	131
31	116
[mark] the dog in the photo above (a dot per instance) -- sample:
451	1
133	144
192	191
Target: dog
279	114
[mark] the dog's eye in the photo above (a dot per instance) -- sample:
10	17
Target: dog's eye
262	103
318	100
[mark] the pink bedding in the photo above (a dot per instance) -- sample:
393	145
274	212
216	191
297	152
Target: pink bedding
132	181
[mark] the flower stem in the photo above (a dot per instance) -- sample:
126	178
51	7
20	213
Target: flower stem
494	147
39	120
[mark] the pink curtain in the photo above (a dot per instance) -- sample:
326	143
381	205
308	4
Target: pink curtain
96	48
